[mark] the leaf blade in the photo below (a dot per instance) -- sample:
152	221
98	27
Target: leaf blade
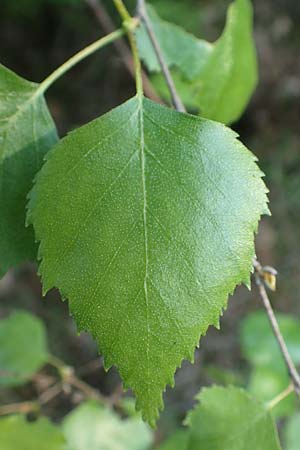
144	237
23	348
27	132
229	419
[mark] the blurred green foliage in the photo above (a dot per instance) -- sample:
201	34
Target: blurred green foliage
23	348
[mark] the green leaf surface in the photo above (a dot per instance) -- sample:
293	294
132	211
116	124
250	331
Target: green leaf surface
145	219
229	419
291	433
215	79
27	132
16	433
230	75
180	49
93	427
266	383
178	441
23	348
256	333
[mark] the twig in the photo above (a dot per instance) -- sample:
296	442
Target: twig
50	393
108	26
68	377
294	375
281	396
22	408
142	13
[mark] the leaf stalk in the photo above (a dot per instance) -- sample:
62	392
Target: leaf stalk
82	54
127	19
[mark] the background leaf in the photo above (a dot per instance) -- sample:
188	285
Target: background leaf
180	49
23	348
94	427
27	132
266	383
230	75
291	433
256	333
157	233
178	441
269	375
19	434
229	419
215	79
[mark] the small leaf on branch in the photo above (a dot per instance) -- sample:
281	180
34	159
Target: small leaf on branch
145	219
27	132
215	79
179	48
230	419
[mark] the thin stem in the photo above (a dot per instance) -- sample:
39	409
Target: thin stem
121	8
120	45
281	396
80	56
176	100
50	393
294	375
68	376
21	408
85	388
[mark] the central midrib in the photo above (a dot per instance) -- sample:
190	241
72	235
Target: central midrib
144	191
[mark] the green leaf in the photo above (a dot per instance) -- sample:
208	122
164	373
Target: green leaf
180	49
256	333
19	434
93	427
266	383
291	433
27	132
188	90
230	419
146	219
230	75
23	348
216	79
178	441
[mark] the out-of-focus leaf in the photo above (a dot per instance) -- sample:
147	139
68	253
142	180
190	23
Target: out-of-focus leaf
266	383
291	433
178	441
259	345
16	433
230	419
230	75
180	49
94	427
23	348
215	79
27	132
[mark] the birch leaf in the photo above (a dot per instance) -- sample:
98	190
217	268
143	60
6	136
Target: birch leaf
27	132
145	218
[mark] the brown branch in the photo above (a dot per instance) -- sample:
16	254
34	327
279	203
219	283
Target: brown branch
69	377
21	408
50	393
120	45
294	375
142	13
